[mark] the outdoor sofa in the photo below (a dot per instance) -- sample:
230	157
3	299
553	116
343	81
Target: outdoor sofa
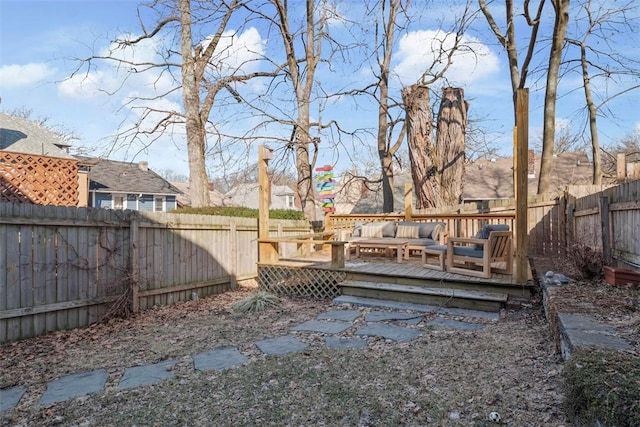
403	237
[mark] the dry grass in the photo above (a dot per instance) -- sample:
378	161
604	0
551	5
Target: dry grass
445	377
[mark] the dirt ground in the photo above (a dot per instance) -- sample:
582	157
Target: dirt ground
445	377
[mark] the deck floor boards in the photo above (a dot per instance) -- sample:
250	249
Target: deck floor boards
413	268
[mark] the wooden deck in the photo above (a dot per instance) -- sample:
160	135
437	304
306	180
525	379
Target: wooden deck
409	281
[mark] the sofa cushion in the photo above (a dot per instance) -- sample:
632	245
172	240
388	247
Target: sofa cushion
468	251
430	230
484	232
388	228
407	231
422	242
357	229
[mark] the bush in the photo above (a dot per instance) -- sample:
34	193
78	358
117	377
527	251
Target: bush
588	262
241	212
603	388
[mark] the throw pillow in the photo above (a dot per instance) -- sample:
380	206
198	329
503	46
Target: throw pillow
408	232
372	231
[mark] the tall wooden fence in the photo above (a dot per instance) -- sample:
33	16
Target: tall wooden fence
63	268
609	220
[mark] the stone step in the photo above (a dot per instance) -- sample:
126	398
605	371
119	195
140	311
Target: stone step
457	298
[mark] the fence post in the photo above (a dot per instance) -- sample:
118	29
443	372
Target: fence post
408	201
570	208
135	264
604	223
233	242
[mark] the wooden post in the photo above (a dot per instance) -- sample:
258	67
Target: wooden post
134	253
233	242
521	183
604	223
265	250
408	201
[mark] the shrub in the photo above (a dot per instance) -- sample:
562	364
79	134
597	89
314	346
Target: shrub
587	261
603	388
241	212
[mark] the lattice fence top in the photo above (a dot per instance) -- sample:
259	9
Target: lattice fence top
300	282
43	180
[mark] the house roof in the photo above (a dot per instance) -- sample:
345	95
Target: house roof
487	179
215	197
246	195
25	136
493	178
111	176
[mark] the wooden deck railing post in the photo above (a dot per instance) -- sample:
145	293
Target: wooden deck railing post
408	201
521	184
266	251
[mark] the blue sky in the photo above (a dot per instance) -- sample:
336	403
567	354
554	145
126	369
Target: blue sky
38	38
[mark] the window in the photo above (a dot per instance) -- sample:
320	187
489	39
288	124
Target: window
290	201
118	201
158	204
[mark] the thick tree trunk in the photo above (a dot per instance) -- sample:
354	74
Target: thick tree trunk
198	181
561	8
450	145
306	190
422	153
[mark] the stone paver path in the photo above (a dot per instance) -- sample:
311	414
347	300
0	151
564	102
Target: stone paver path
392	325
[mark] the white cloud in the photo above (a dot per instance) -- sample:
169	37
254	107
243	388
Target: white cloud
237	52
418	51
14	75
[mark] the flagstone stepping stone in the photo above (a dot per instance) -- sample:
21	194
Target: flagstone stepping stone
454	324
281	345
323	327
9	397
344	315
138	376
395	333
380	316
75	385
344	343
218	359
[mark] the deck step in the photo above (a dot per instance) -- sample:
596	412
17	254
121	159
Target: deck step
457	298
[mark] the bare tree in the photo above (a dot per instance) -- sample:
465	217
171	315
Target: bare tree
429	162
603	23
198	84
561	14
303	43
388	142
507	40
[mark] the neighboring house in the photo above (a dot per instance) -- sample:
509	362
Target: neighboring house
246	195
216	198
123	185
35	166
491	179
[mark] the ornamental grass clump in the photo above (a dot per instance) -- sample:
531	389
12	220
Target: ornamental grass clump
256	302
